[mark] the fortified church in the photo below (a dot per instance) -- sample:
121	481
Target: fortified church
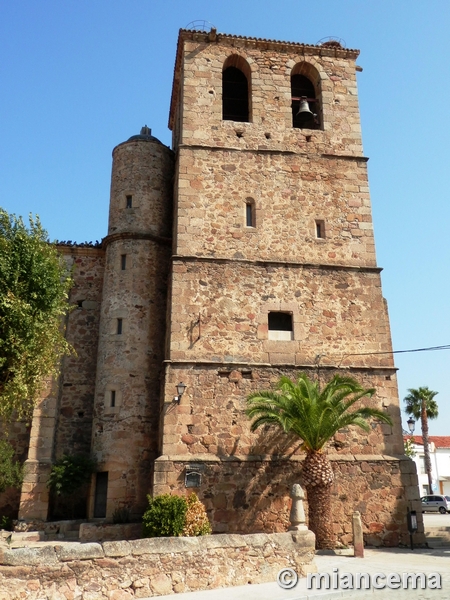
244	252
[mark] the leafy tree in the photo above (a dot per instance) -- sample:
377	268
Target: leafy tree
11	472
314	415
34	286
68	476
420	404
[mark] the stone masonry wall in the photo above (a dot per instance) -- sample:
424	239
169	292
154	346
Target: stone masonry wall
150	567
290	192
220	313
211	419
251	494
77	382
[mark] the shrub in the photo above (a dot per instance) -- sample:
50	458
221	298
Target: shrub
175	516
6	523
122	514
165	516
11	471
197	522
70	473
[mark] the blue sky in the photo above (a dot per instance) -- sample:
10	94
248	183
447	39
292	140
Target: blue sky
80	76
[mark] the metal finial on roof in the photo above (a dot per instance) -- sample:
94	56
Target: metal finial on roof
332	42
146	130
204	26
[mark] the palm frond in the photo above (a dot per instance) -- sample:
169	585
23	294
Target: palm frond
313	415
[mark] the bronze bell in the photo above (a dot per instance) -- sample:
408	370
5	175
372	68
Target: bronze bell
304	117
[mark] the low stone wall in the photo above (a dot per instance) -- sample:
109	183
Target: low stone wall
119	570
100	532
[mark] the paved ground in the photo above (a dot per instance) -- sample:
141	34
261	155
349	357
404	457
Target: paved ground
436	520
383	561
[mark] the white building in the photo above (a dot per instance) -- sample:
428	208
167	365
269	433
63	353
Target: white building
440	463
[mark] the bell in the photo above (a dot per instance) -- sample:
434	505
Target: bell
304	117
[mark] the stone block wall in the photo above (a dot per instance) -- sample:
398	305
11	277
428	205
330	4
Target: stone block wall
150	567
251	494
290	193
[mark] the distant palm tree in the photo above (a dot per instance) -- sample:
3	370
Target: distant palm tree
314	416
420	404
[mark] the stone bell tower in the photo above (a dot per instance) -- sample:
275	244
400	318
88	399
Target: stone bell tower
273	272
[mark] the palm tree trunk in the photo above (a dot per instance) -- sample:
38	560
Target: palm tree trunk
320	516
318	476
426	445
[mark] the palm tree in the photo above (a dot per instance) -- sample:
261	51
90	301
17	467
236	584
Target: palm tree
314	416
420	404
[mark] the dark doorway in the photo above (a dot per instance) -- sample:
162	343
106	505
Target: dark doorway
101	489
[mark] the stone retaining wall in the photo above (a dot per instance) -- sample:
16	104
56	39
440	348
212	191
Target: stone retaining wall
120	570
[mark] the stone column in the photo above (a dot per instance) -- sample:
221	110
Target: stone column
297	516
34	495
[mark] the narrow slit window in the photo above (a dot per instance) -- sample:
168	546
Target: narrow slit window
129	201
280	326
113	398
119	326
320	229
249	214
123	262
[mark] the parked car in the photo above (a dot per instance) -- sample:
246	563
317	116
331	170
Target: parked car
435	503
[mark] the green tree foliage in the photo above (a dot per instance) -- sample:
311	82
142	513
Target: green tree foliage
314	415
11	473
70	473
34	286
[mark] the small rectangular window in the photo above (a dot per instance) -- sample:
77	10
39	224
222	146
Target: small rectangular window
123	261
280	326
129	201
113	398
249	214
320	229
119	326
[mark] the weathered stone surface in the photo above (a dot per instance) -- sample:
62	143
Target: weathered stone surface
29	556
122	548
76	551
160	545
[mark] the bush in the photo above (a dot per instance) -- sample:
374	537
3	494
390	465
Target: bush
197	522
11	471
70	473
175	516
165	516
121	515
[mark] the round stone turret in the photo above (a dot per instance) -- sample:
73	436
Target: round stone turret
132	325
141	186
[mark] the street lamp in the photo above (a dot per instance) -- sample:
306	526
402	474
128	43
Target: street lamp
180	390
411	425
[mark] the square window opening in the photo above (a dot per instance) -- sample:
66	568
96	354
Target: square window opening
281	326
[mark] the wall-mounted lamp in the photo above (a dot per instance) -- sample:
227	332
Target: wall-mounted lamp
411	425
180	391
